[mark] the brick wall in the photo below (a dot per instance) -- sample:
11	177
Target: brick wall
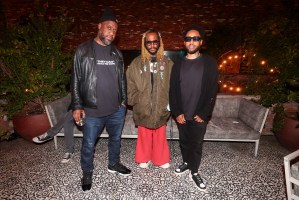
136	16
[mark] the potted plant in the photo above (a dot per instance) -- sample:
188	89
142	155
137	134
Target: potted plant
277	41
286	127
34	67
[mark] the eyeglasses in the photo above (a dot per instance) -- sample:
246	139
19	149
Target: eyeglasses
194	38
154	42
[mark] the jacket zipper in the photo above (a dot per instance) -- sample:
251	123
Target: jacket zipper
151	103
157	80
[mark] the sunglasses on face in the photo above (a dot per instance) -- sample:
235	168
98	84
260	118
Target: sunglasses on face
154	42
194	38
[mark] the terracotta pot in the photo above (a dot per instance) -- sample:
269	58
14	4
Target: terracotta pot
288	136
30	126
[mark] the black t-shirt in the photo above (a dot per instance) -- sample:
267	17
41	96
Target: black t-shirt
107	83
191	82
153	67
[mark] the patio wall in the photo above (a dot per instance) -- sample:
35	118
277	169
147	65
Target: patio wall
135	17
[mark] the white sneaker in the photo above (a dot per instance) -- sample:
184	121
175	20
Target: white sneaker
144	165
67	157
42	138
165	166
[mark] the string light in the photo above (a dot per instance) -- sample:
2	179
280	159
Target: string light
238	62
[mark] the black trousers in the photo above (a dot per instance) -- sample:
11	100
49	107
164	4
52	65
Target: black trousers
191	140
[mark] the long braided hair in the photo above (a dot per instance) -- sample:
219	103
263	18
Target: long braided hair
145	55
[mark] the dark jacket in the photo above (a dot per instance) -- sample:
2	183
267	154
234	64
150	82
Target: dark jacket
208	91
83	80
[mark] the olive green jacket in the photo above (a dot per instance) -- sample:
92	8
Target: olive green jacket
149	105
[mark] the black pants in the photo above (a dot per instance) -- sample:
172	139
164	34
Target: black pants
191	140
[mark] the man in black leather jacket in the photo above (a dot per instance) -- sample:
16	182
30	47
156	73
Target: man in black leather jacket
99	96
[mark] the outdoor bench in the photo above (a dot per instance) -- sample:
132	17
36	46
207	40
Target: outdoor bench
234	118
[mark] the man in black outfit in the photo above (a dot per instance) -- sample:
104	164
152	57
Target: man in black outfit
193	88
99	95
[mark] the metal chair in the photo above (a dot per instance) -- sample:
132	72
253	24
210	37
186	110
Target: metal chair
291	167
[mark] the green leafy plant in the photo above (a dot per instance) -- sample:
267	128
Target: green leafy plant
279	114
34	67
277	41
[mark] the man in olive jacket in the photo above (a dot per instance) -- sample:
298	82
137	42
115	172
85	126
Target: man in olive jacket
148	86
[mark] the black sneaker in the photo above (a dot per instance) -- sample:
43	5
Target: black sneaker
86	181
198	181
42	138
181	169
120	169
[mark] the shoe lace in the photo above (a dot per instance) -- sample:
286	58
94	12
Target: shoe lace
119	165
67	155
43	136
197	176
182	166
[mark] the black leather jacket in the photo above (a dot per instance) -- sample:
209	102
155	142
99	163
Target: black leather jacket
83	80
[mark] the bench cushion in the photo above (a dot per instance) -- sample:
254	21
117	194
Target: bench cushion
230	128
295	174
226	107
252	114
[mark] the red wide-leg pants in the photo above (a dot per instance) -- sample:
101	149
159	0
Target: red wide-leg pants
152	146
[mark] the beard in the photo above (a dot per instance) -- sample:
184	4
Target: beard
193	51
152	53
104	40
